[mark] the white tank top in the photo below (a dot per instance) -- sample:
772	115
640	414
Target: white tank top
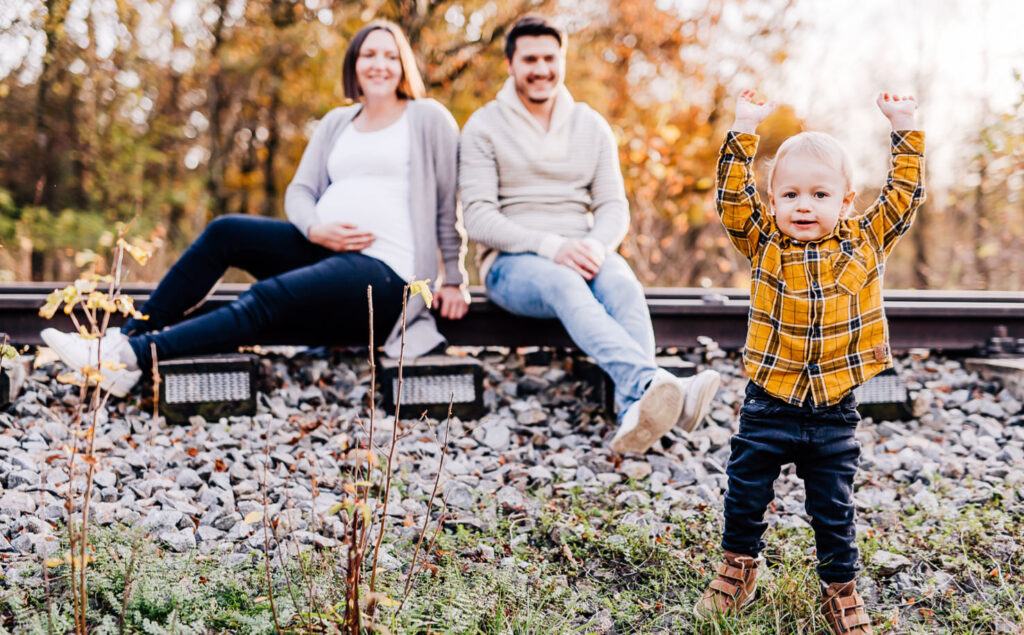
369	188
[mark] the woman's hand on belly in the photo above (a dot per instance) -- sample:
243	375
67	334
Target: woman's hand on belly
453	302
340	237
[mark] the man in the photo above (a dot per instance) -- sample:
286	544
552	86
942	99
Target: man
542	192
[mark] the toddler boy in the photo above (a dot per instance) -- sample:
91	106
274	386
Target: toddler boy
816	329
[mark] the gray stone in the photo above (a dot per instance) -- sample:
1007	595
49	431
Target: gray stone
21	502
27	478
187	478
458	495
161	520
531	417
540	475
926	501
636	470
494	434
584	474
178	541
887	563
510	498
207	534
104	478
564	459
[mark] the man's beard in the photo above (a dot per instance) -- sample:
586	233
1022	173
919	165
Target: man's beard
524	91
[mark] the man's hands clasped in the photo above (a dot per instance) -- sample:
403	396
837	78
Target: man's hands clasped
452	302
581	257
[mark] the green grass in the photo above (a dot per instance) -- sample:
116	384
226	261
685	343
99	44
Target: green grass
575	565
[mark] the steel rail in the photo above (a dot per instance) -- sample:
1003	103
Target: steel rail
950	321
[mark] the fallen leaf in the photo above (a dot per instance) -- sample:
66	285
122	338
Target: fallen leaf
252	517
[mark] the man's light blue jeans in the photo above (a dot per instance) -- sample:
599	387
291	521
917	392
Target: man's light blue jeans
606	317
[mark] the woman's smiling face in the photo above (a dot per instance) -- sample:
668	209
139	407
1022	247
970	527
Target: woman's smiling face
379	66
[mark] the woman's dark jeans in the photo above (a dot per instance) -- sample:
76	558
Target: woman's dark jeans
821	442
302	288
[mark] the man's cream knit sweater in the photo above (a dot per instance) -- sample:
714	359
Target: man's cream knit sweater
526	189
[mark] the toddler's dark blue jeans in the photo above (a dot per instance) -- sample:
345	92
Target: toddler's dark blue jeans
821	443
302	289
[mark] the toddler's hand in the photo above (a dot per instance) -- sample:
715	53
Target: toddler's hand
751	110
899	110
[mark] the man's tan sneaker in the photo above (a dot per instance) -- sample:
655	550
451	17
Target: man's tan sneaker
652	416
732	589
843	609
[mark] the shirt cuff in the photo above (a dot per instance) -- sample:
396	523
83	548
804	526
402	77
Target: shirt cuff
597	248
550	245
303	228
908	142
740	144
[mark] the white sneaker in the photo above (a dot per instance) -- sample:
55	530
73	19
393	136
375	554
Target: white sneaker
653	415
78	352
699	390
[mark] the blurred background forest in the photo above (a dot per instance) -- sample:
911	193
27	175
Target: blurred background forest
178	111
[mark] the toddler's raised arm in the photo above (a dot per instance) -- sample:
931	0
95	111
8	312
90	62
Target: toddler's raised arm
745	218
893	213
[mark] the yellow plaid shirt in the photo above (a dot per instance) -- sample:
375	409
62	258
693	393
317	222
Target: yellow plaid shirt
816	327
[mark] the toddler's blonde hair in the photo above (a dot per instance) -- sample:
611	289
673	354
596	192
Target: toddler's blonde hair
819	145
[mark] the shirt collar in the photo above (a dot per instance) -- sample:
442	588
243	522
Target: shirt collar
560	114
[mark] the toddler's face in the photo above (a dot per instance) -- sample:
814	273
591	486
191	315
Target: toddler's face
809	197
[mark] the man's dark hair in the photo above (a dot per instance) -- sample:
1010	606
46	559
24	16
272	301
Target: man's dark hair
531	25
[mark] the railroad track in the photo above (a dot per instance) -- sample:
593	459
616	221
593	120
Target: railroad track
948	321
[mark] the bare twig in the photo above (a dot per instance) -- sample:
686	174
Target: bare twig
266	533
128	583
430	503
156	380
373	402
46	573
394	442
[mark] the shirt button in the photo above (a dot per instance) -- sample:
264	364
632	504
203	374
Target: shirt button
814	283
812	367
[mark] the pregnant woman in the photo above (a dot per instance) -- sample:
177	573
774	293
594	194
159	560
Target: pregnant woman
372	203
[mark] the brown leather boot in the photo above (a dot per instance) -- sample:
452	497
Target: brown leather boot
843	608
732	588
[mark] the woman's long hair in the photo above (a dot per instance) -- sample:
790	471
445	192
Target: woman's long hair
411	84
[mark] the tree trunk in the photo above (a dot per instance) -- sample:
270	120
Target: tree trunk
49	165
215	106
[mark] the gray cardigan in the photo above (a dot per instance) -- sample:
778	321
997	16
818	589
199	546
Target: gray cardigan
437	222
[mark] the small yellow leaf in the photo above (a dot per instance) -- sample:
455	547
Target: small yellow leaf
126	306
54	562
253	517
367	513
8	352
92	374
85	433
73	379
82	285
380	599
94	299
138	253
53	301
113	365
422	287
